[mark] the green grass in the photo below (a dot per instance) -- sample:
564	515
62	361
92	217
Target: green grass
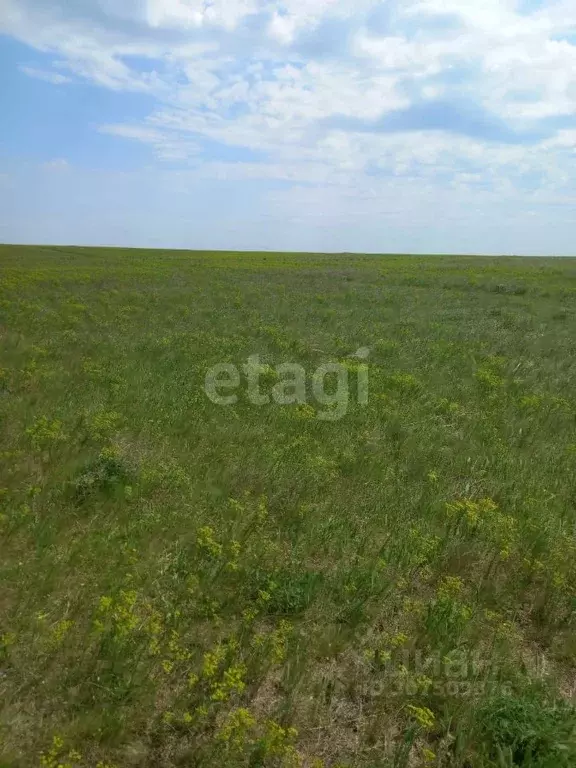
184	584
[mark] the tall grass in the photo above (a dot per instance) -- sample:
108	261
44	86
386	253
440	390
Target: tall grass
185	584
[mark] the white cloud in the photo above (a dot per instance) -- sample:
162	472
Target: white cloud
282	28
138	132
196	13
167	147
56	78
291	17
565	138
308	85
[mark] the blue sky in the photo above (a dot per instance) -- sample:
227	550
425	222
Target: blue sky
344	125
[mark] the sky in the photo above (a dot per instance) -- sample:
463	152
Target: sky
444	126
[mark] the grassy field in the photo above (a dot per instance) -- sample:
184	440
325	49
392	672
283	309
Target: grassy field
188	584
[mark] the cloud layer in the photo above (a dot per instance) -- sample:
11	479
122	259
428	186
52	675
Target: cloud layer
346	102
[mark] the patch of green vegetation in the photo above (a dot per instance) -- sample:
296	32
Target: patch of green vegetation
529	730
284	592
107	474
